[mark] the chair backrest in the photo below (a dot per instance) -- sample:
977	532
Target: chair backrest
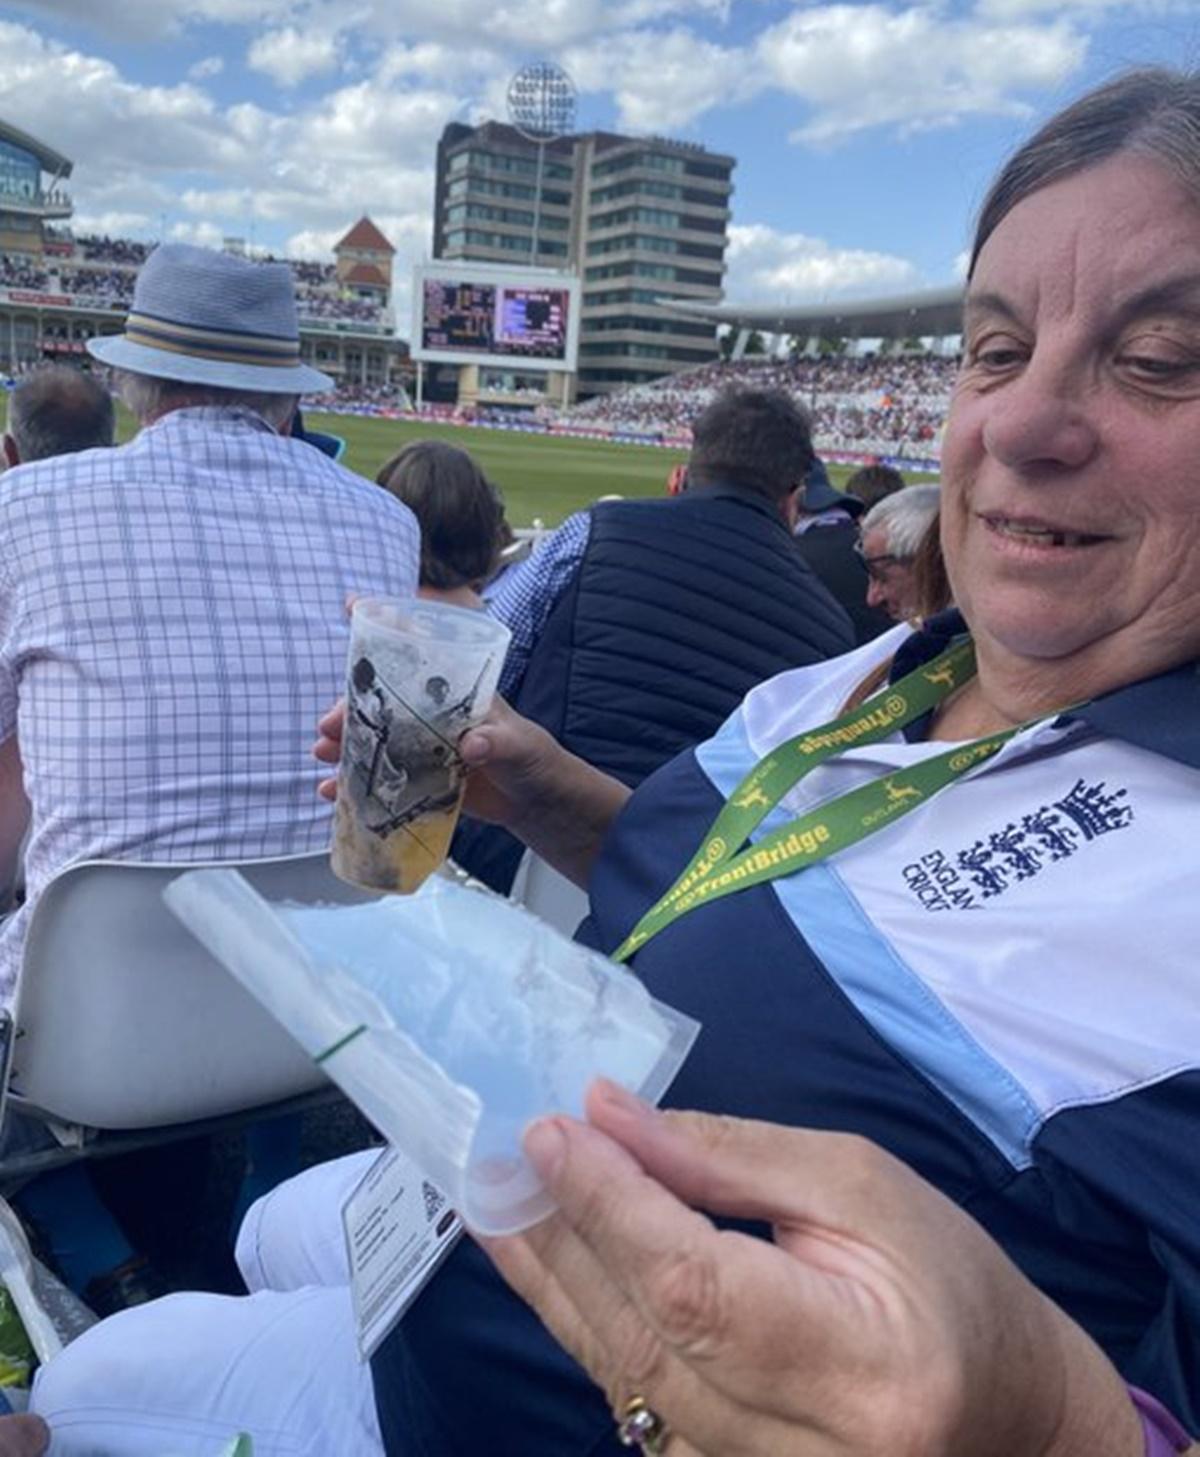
541	889
125	1021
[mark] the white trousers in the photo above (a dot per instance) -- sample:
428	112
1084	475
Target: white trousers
181	1376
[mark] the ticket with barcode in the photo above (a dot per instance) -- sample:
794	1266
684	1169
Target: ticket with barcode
399	1228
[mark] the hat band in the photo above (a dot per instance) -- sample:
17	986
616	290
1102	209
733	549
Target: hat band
220	346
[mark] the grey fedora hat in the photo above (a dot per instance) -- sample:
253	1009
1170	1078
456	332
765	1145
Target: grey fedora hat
210	318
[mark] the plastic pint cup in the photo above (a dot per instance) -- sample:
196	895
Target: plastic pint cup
420	674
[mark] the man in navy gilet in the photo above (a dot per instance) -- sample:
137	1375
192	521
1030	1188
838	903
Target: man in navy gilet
639	626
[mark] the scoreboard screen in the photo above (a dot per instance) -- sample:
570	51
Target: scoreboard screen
505	321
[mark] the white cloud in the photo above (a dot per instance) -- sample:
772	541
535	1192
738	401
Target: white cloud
114	224
290	56
206	235
144	20
205	68
518	27
767	265
1083	9
661	82
314	243
861	66
121	128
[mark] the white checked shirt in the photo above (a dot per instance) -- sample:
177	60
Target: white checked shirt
172	625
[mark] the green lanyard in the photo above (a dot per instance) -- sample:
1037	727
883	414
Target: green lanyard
721	866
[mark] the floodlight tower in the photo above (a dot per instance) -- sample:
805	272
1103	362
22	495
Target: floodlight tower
541	105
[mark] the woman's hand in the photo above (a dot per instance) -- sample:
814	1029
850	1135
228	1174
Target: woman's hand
881	1320
23	1436
520	777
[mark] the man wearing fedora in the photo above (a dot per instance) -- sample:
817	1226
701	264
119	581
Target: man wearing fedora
172	611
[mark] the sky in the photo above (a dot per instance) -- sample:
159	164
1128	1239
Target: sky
865	133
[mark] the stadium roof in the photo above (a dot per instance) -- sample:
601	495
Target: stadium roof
50	160
364	234
934	311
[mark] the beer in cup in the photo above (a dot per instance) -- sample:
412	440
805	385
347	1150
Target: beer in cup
420	674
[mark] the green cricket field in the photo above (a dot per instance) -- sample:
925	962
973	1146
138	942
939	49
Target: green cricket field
544	478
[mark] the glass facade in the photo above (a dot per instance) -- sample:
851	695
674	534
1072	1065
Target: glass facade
20	174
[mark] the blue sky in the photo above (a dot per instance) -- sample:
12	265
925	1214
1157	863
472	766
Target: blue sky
865	132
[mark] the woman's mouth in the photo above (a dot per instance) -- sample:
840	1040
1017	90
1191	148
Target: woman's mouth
1038	533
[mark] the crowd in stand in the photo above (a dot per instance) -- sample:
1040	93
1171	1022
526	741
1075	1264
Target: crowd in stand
894	403
363	396
318	293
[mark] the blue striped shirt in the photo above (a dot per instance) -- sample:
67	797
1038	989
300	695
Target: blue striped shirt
172	624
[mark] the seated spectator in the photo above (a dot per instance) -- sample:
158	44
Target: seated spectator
460	513
227	554
57	410
826	537
892	533
871	483
638	625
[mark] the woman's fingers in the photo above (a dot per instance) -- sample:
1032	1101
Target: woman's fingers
328	749
25	1435
587	1311
743	1316
751	1170
330	728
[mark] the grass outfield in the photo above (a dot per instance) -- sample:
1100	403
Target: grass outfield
542	476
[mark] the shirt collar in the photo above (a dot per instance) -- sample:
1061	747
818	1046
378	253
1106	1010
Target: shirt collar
754	499
209	416
1161	713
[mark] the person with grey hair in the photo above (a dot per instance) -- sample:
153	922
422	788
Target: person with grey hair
892	533
57	411
171	620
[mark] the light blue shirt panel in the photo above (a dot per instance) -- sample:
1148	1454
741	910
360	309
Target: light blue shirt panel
526	596
887	992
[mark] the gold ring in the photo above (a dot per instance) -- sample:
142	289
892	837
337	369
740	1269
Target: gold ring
641	1426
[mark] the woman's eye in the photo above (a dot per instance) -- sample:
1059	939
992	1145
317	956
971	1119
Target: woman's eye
1151	366
997	354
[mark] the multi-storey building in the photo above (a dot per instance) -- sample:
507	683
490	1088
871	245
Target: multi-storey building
641	219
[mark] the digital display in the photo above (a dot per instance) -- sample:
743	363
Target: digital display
509	321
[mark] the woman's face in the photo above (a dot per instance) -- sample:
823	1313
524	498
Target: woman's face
1071	460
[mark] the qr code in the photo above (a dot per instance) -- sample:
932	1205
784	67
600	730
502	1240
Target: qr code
435	1200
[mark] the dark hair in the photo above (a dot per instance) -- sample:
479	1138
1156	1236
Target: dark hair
1152	110
460	512
871	483
758	439
58	410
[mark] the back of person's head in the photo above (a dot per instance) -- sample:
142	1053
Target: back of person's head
760	440
207	328
872	483
148	398
57	411
460	512
904	518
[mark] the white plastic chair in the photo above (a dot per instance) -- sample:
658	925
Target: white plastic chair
124	1021
541	889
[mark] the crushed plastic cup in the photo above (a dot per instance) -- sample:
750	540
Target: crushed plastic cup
419	675
452	1018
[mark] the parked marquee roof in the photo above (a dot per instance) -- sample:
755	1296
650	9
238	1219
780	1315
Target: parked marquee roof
936	311
50	160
